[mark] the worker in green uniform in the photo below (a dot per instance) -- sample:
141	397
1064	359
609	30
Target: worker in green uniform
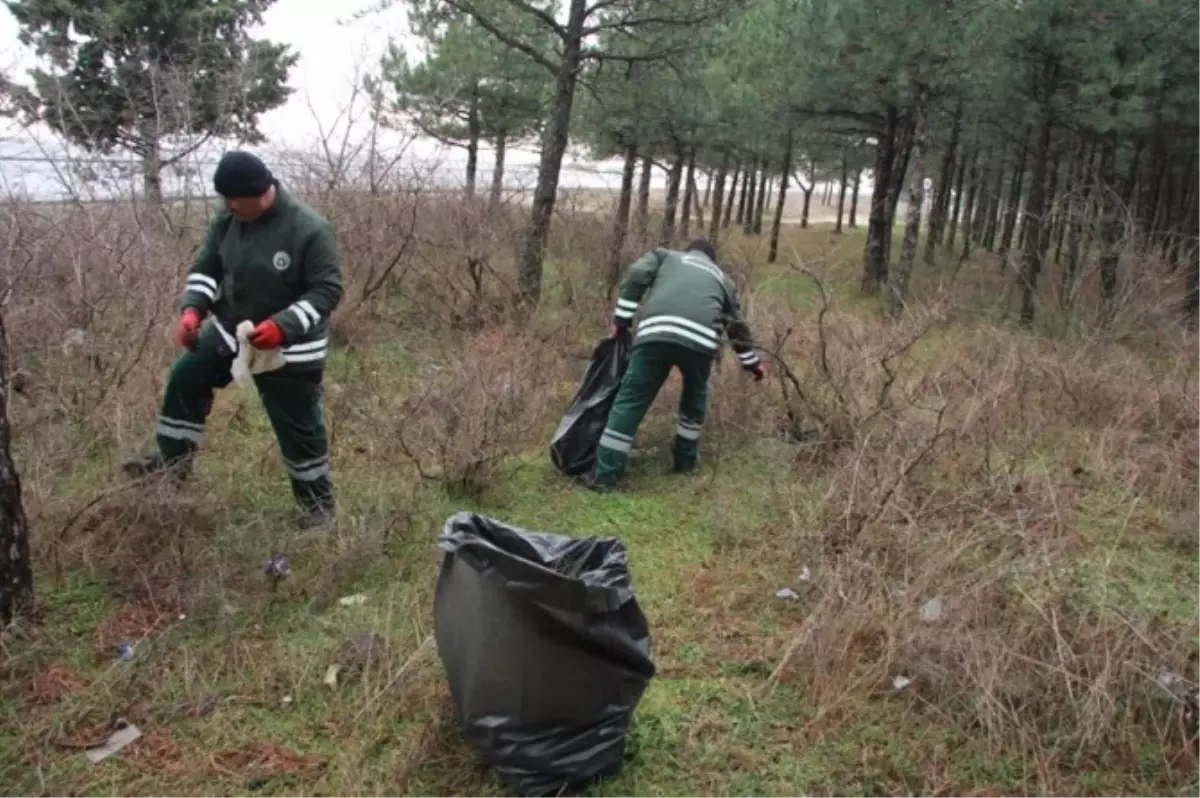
273	261
686	302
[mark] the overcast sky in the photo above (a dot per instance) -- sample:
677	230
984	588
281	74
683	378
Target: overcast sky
321	31
331	46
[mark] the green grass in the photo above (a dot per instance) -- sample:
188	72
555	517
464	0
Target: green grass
707	553
704	727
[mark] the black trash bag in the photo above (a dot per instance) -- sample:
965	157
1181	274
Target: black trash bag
573	448
545	649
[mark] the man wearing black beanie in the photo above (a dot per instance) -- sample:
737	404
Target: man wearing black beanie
272	265
687	301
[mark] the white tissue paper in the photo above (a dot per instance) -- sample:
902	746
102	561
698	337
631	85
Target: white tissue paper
251	361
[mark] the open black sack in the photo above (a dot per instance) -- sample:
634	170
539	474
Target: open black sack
545	649
573	449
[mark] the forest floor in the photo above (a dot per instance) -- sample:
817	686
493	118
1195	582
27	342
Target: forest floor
1054	529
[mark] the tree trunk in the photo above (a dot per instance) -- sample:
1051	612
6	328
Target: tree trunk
978	206
16	570
875	254
761	207
643	206
667	233
842	194
1080	205
747	180
1152	202
554	147
474	133
689	191
747	215
777	222
968	211
1013	206
1185	252
621	221
1180	224
804	209
1129	188
727	214
898	278
1110	226
696	207
718	199
156	209
992	219
498	174
1066	204
895	188
959	187
708	185
937	214
1033	223
1047	214
853	221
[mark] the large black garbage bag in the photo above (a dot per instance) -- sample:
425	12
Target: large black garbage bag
573	449
545	648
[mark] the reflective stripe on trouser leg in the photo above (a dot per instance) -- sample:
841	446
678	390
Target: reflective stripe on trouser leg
695	369
648	367
612	456
187	398
294	407
307	470
687	443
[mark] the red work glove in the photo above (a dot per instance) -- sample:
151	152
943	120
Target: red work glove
615	332
187	331
267	335
759	371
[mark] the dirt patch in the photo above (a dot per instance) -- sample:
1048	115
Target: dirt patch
158	750
263	760
50	684
154	540
137	619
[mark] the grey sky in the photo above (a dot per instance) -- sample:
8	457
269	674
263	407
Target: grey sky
332	48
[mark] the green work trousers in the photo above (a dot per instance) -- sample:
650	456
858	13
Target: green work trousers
649	366
291	398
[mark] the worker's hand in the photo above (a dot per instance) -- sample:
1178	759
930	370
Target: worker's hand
615	332
187	330
759	371
267	335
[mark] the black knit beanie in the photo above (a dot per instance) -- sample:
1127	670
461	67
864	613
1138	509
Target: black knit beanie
240	174
702	245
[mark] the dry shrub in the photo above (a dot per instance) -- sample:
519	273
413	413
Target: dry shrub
91	301
150	542
959	475
440	260
478	404
833	373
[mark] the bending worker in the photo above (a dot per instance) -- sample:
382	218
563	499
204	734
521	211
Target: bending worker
270	260
689	301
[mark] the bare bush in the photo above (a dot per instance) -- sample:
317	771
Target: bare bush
948	540
489	401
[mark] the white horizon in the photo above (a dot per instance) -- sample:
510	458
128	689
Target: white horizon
335	51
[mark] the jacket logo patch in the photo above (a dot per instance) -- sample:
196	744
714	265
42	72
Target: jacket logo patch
281	260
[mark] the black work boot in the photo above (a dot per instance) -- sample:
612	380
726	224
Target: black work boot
318	517
588	480
152	465
683	466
